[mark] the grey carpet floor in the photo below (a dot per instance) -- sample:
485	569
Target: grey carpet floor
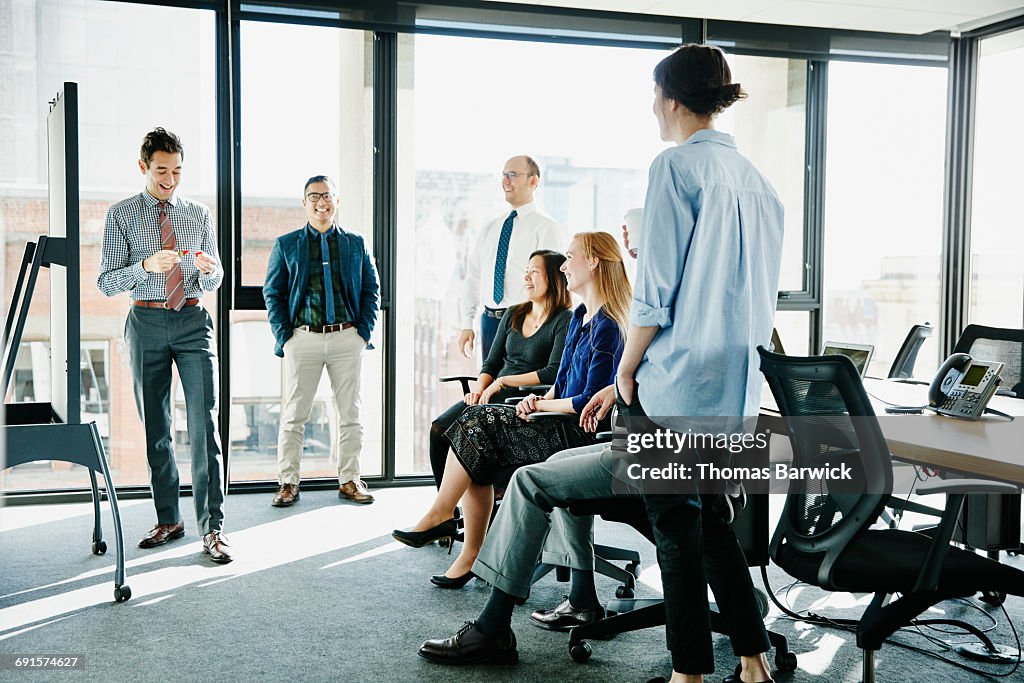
320	592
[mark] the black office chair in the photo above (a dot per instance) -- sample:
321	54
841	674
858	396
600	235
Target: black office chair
903	365
624	615
825	536
1000	344
991	522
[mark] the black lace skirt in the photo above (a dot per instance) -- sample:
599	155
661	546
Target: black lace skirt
489	440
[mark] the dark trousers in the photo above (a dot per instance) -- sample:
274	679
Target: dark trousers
488	328
156	338
696	547
439	443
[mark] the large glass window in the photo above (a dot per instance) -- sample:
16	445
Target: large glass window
770	129
584	113
997	230
883	204
307	109
114	52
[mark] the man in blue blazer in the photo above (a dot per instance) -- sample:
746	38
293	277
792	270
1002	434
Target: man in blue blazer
322	299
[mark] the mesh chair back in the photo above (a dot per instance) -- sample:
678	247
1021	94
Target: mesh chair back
831	424
903	366
999	344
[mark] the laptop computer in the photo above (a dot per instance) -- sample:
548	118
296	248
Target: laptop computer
860	354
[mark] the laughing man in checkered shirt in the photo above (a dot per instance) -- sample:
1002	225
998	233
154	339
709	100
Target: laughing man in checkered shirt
160	248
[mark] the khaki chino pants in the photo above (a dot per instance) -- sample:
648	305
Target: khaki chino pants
306	355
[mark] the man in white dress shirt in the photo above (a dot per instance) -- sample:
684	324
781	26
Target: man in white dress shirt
502	251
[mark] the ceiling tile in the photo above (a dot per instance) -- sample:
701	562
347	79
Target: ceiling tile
807	13
906	21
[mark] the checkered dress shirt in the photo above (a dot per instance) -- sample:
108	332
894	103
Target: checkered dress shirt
314	308
132	234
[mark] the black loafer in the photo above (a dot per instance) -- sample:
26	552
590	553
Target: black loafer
470	646
565	616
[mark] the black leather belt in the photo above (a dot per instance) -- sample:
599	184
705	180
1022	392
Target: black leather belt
323	329
494	312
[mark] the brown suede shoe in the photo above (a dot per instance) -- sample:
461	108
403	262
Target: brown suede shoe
286	495
215	544
162	533
355	491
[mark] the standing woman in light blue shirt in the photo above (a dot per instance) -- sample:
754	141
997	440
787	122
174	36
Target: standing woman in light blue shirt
706	281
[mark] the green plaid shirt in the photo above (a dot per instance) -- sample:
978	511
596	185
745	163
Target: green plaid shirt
313	310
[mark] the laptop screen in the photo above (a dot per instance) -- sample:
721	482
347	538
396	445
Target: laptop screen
860	354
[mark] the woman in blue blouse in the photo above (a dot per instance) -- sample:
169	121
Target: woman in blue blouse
488	438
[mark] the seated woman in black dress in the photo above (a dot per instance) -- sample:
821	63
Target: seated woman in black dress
490	437
527	348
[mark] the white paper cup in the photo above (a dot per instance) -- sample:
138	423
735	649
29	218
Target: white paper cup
634	218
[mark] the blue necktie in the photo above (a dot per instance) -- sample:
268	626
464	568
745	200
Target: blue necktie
325	254
501	259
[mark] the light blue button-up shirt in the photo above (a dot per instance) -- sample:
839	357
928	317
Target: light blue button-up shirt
707	275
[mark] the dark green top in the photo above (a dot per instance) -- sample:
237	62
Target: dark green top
513	354
314	306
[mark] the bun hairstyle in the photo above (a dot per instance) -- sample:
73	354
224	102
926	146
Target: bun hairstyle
698	77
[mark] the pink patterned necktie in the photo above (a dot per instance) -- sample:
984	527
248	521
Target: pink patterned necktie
175	283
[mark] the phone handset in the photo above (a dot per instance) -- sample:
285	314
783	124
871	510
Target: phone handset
963	386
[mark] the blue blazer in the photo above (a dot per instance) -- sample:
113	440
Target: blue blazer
288	276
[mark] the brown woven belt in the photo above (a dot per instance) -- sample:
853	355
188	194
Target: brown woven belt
163	304
322	329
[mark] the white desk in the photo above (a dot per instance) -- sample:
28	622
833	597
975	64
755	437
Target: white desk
989	448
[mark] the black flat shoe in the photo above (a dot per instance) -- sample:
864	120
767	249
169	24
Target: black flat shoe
734	677
444	581
470	646
418	539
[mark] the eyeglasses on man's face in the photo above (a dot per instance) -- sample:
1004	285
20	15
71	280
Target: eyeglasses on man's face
511	176
314	197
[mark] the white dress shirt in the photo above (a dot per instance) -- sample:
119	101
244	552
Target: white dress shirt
531	230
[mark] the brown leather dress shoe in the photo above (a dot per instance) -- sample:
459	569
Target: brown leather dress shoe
355	491
162	533
470	646
286	495
565	616
215	544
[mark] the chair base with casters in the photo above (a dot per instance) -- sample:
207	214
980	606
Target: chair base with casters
636	614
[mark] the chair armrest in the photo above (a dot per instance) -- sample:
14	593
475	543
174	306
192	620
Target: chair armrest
966	486
602	437
931	569
464	379
457	378
539	389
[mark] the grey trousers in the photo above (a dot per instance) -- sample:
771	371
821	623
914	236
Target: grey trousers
532	518
156	338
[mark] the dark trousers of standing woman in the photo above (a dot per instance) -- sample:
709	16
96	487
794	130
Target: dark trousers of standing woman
439	443
695	548
689	537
